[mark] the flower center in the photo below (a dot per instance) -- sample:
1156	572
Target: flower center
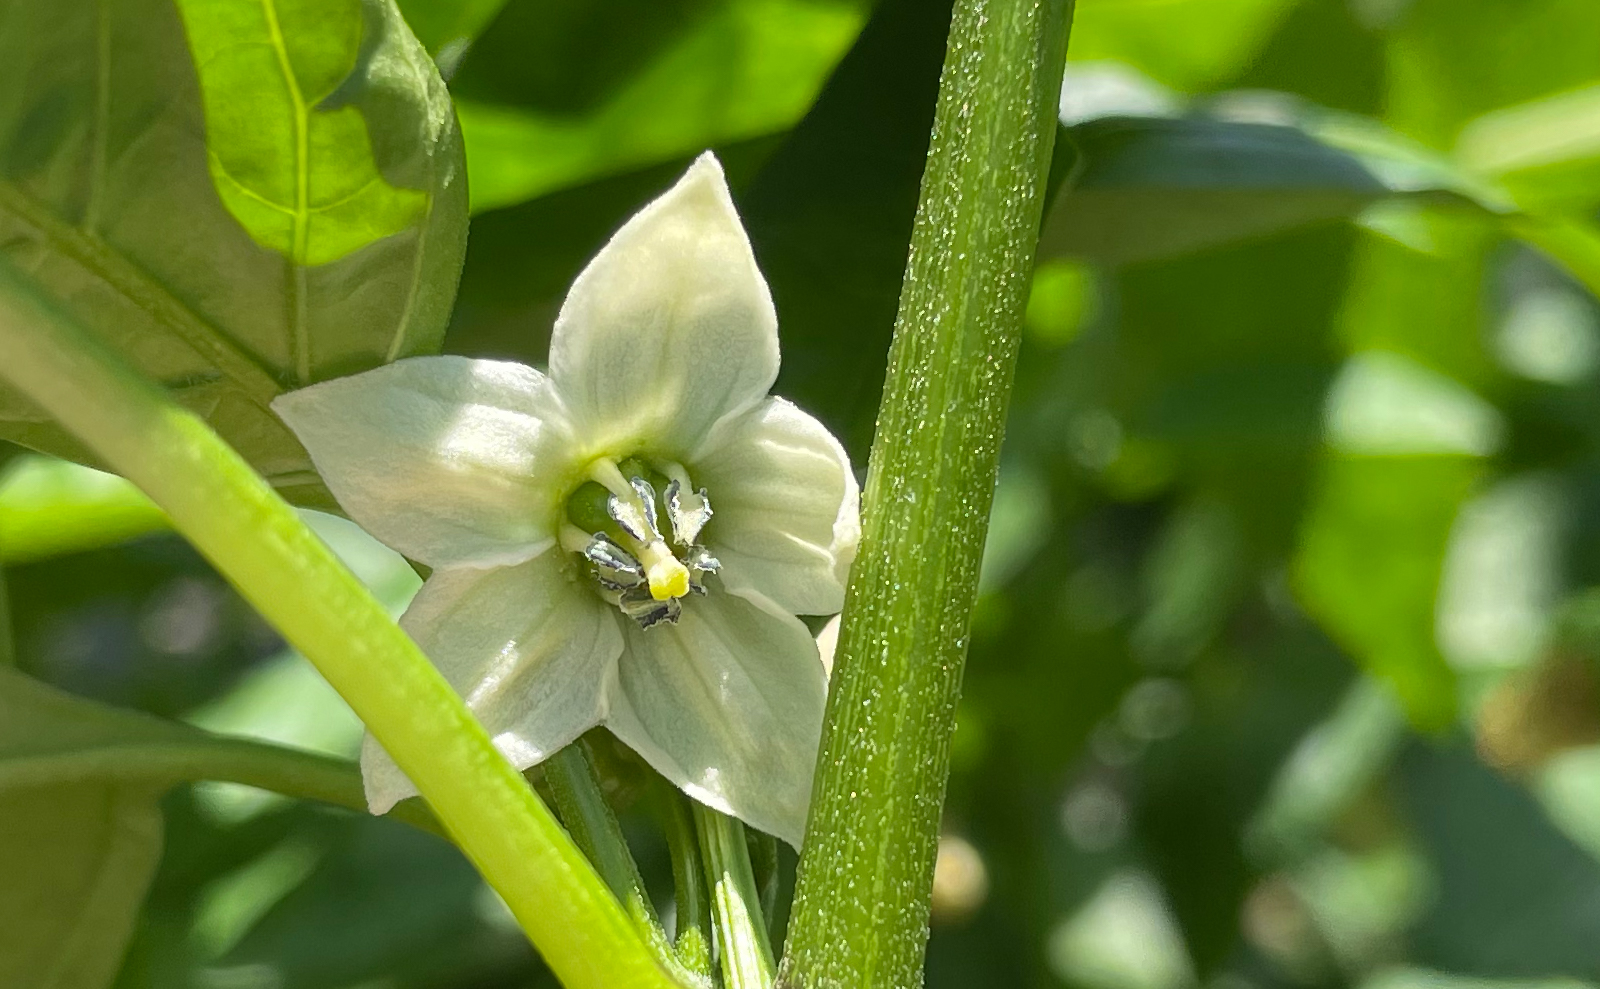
613	526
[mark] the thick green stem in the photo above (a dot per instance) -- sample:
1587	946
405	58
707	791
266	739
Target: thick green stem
742	946
255	539
693	944
866	871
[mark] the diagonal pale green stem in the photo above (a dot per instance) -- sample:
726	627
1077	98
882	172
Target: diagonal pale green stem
866	871
255	539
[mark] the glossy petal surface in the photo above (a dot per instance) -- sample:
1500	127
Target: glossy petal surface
787	517
727	704
670	329
441	458
533	651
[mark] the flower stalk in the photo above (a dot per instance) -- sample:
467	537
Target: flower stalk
743	948
866	869
691	895
582	806
263	548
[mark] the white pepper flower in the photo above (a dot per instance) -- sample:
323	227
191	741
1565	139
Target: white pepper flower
627	540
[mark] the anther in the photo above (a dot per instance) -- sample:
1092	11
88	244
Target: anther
688	510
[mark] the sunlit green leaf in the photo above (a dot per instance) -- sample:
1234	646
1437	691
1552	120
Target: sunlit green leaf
740	69
1187	44
1451	61
830	215
77	860
1368	567
1546	152
290	153
107	198
49	507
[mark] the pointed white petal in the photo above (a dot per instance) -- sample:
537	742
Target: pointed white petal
727	704
439	457
533	652
670	328
787	515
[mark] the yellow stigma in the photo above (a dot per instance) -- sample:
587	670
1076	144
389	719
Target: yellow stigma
668	577
671	581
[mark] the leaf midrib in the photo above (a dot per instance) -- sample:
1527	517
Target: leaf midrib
299	339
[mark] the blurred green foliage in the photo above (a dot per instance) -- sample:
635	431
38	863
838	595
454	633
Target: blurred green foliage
1300	502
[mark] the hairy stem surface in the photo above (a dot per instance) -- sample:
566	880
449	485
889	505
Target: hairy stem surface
866	872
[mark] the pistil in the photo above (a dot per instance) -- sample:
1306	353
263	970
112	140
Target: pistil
668	577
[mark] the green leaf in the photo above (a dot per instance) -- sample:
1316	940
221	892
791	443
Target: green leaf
50	507
830	215
1368	568
1147	188
1408	439
50	739
107	197
77	861
1451	61
739	69
1187	44
80	831
1546	151
289	152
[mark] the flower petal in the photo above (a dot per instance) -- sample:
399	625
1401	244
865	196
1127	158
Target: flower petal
787	510
670	328
727	704
533	652
438	457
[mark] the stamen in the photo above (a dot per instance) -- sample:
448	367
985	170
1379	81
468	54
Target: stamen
636	511
647	499
606	471
640	571
626	513
647	611
700	562
573	539
688	512
614	567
